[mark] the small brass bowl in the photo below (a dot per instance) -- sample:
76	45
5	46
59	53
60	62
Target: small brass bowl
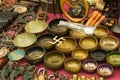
56	29
34	54
101	31
80	54
89	65
99	55
109	43
77	34
113	58
45	39
54	60
105	70
66	45
89	43
72	65
109	22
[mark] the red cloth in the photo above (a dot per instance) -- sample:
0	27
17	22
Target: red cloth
115	76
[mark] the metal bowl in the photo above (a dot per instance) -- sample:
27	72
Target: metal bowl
16	55
109	22
105	70
89	65
80	54
113	58
67	45
45	39
72	65
36	26
24	40
99	55
89	43
116	29
101	31
109	43
54	60
34	54
77	34
55	29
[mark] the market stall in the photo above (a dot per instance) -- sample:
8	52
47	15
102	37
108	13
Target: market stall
60	40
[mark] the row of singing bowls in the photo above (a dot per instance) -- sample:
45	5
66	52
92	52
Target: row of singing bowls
66	46
100	31
91	66
107	43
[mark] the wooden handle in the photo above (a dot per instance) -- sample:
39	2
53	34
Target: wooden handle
95	19
93	15
98	22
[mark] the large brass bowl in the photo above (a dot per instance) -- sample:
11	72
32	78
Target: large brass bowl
66	45
44	40
89	43
80	54
101	31
36	26
105	70
109	43
77	34
113	58
24	40
54	60
72	65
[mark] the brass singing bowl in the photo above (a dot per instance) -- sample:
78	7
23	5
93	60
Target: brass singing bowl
113	58
67	45
105	70
101	31
44	40
54	60
99	55
80	54
56	29
34	54
109	43
72	65
77	34
89	43
89	65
